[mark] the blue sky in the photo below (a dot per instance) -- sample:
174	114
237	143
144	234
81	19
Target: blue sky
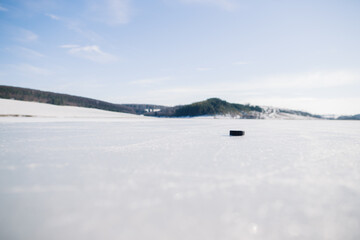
297	54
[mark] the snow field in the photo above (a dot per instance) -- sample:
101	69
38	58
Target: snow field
34	109
180	179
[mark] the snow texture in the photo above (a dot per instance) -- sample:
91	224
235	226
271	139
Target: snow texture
179	179
275	113
33	109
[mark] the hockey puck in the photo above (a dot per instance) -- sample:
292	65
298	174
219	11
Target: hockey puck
236	133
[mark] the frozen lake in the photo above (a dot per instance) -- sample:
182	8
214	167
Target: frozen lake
170	179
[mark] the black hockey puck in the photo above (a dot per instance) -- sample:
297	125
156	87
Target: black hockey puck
236	133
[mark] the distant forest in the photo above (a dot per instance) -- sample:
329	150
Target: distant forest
32	95
216	106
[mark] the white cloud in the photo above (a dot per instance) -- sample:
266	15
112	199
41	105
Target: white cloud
228	5
91	52
52	16
307	80
30	52
310	80
41	6
276	82
26	36
76	26
112	12
24	52
3	9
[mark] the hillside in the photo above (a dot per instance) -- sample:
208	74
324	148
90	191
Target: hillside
31	95
215	106
16	108
210	107
353	117
278	113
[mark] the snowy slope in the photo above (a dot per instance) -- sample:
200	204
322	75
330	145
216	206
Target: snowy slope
269	113
277	113
34	109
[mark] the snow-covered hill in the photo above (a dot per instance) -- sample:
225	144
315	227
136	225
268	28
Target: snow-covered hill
15	108
277	113
269	113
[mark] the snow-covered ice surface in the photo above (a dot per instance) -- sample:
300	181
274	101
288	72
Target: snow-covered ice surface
180	179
